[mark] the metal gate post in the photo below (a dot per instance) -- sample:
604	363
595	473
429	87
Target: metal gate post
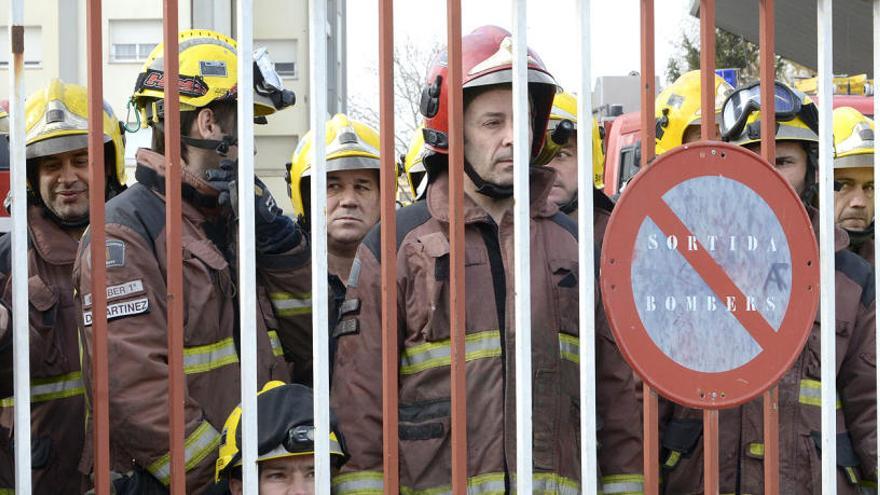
388	244
877	196
651	444
97	250
586	260
247	250
767	46
20	319
826	249
456	253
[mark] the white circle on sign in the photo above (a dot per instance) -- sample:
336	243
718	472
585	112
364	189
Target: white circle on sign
696	324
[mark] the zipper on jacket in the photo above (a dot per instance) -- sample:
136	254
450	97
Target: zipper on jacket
489	231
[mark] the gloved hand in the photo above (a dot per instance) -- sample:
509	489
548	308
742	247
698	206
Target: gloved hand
275	233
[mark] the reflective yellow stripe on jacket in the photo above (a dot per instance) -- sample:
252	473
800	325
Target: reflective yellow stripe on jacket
429	355
811	394
290	303
623	484
199	445
370	483
55	387
277	350
203	358
569	348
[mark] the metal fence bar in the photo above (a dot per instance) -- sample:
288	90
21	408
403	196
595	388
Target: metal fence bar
586	259
174	249
320	288
767	47
826	248
100	360
877	196
388	244
651	435
20	318
522	251
247	266
457	289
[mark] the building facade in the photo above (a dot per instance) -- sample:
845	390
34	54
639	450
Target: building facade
55	46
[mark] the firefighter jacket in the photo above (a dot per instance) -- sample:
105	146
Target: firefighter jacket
57	403
866	250
741	435
137	325
423	269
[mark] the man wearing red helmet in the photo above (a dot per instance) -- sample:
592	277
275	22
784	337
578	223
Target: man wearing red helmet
423	302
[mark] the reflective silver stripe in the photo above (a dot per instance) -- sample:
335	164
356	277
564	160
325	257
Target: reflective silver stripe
811	394
56	387
198	446
569	348
437	354
555	484
623	484
287	304
360	483
199	359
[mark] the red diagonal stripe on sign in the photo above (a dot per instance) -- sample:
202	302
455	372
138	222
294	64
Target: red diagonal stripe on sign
714	275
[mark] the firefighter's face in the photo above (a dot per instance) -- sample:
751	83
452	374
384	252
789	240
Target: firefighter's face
352	205
488	135
791	162
854	202
565	163
293	475
64	184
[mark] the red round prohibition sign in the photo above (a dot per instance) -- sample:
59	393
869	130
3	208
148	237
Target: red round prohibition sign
709	273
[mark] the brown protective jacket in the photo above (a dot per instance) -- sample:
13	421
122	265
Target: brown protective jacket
137	326
423	346
741	429
866	250
57	403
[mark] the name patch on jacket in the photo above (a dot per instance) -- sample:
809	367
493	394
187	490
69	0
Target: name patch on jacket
121	309
118	291
115	253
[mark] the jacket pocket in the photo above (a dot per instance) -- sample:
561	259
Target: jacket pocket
847	460
45	350
682	470
209	296
424	435
564	276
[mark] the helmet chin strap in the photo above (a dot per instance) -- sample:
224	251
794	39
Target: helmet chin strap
76	223
858	237
485	187
220	146
570	206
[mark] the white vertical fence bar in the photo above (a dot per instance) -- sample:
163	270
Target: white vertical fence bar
826	249
247	250
877	196
20	325
320	333
522	254
586	258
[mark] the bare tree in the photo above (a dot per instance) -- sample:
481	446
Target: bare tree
410	66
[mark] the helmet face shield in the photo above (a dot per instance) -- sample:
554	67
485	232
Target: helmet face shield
747	100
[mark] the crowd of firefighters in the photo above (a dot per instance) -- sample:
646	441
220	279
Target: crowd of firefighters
60	278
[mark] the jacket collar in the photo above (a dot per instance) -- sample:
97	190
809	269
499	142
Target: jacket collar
156	162
540	183
51	242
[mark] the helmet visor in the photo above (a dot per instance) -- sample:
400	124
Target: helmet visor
267	82
747	100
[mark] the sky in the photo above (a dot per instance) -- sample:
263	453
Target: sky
552	32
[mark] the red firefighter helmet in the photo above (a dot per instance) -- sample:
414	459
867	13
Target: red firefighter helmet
486	59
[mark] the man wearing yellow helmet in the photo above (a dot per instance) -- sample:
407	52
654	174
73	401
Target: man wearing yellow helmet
740	429
854	179
136	270
678	107
56	131
285	443
561	134
352	152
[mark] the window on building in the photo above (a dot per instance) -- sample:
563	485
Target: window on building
283	53
33	46
132	40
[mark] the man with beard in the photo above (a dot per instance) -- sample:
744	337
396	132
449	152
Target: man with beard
58	212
